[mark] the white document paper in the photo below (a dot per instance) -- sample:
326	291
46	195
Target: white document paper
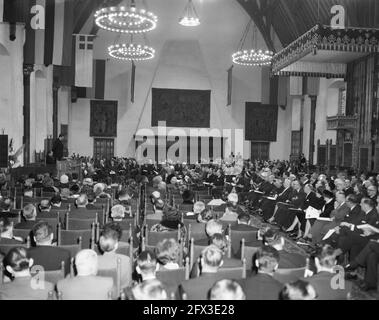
329	234
312	213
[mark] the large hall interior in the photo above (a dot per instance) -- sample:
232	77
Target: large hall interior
189	149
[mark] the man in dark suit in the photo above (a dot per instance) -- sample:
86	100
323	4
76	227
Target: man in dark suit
86	285
58	148
352	239
18	264
263	286
326	281
45	254
368	258
198	288
286	213
283	197
30	214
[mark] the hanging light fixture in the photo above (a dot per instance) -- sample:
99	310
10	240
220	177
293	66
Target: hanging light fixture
252	57
131	51
190	17
126	19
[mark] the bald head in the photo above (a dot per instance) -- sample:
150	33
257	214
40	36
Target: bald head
86	263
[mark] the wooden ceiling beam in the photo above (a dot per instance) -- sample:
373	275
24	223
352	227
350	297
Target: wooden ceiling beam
257	14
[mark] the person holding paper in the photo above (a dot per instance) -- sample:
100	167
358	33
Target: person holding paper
284	217
283	197
354	238
325	214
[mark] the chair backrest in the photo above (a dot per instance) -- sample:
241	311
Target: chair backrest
196	231
22	233
115	274
195	252
233	273
248	253
289	275
237	236
55	275
1	274
154	237
87	214
172	278
73	248
15	218
72	237
78	224
5	248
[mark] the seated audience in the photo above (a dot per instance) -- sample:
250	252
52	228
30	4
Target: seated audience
327	281
6	232
30	214
198	288
227	290
45	253
86	285
108	245
158	207
298	290
263	286
150	290
168	253
23	287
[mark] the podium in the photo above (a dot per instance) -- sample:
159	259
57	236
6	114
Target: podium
69	166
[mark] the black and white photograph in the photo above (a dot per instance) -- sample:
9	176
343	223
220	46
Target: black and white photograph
184	157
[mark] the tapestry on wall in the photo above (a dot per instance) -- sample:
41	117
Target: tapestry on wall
103	118
261	121
181	108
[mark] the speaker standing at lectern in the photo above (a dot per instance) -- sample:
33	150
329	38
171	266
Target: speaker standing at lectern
58	148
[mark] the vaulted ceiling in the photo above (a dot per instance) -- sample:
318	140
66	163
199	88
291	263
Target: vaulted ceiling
292	18
288	18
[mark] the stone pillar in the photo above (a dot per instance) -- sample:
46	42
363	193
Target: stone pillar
55	110
28	69
312	129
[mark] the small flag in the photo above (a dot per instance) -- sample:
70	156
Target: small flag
133	81
97	89
230	86
63	29
84	60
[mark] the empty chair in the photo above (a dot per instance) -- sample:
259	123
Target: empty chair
237	236
79	224
196	231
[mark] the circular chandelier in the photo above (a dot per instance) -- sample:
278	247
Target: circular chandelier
126	19
131	52
252	57
190	17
